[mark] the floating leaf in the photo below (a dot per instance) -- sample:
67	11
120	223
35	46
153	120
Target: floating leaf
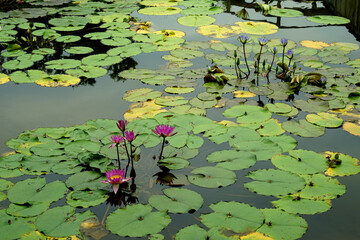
191	232
137	221
171	101
314	44
283	12
141	94
17	64
204	10
282	225
257	28
79	50
325	120
59	80
274	182
85	180
183	152
29	77
328	19
87	71
341	164
36	191
352	128
173	163
68	38
137	73
86	199
4	78
212	177
232	160
238	217
295	204
320	187
248	113
61	221
244	94
216	31
177	200
160	10
27	210
303	128
301	162
14	227
100	60
63	64
196	21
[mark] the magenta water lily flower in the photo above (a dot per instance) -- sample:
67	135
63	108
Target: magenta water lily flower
130	136
121	124
164	130
116	140
115	178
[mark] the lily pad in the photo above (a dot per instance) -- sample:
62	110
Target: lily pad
61	221
58	80
341	164
325	120
85	180
86	199
328	19
274	182
196	21
320	187
36	191
295	204
303	128
14	227
100	60
248	113
87	71
17	64
63	64
191	232
216	31
4	78
232	160
202	10
27	210
301	162
177	200
238	217
173	163
282	225
137	221
137	73
79	50
283	12
141	94
212	177
171	101
314	44
352	128
257	28
160	10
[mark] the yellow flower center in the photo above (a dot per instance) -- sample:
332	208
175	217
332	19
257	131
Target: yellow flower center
115	177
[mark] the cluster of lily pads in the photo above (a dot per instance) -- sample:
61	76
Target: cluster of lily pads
304	182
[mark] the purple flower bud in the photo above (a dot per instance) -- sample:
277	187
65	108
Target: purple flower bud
284	41
323	79
274	50
244	39
290	53
263	41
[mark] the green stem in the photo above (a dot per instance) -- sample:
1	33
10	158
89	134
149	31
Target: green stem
247	65
283	58
162	148
118	156
258	62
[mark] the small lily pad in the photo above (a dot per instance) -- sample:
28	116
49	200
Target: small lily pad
212	177
257	28
295	205
79	50
85	180
325	120
63	64
341	164
303	128
196	21
173	163
328	19
283	12
141	94
216	31
232	160
177	200
248	113
160	10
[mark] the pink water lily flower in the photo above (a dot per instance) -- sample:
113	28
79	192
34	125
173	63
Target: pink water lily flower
164	130
130	136
121	124
115	178
116	140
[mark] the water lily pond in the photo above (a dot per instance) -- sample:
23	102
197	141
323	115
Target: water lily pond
227	120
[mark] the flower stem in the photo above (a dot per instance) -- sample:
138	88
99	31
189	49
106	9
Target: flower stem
118	156
162	148
246	61
258	60
283	58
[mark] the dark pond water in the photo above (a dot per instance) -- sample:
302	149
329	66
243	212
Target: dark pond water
27	106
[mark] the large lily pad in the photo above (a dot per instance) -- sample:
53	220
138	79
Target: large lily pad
61	221
196	21
13	227
58	80
248	113
296	204
303	128
301	162
212	177
324	119
283	12
232	160
328	19
191	232
216	31
257	28
177	200
85	180
341	164
137	221
282	225
238	217
274	182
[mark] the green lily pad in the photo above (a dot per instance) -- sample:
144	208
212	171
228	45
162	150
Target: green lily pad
320	187
202	10
5	184
157	80
14	227
257	28
48	149
129	50
76	147
160	10
85	180
141	94
27	77
301	162
62	64
196	102
184	53
116	41
295	204
346	165
238	217
136	221
191	232
68	38
67	167
216	31
235	135
282	225
36	191
61	221
274	182
44	51
86	199
248	113
313	64
87	71
173	163
79	50
303	128
232	160
270	127
17	64
27	210
137	73
100	60
212	177
179	90
41	165
282	108
196	21
171	101
177	200
283	12
325	120
328	19
184	152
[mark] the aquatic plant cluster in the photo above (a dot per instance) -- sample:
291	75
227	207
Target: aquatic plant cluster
88	157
